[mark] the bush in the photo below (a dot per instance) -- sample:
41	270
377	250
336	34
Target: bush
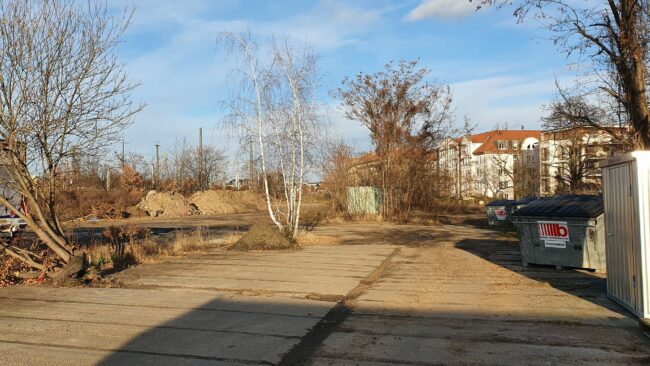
110	204
128	245
264	237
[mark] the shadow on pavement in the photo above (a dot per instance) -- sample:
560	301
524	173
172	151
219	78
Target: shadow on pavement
580	283
223	332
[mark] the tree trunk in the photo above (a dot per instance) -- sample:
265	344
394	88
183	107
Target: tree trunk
633	69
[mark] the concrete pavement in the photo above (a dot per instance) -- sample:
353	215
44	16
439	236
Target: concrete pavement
468	301
390	295
198	310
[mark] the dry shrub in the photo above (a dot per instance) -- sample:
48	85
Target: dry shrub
264	237
98	202
231	238
121	247
128	245
189	242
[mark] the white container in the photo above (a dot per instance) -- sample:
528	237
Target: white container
626	195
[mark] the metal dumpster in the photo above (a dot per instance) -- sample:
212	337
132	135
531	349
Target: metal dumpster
498	212
565	231
522	202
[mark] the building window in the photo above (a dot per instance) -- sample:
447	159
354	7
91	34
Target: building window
502	145
515	144
503	185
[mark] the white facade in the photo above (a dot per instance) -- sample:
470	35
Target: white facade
514	164
489	164
565	149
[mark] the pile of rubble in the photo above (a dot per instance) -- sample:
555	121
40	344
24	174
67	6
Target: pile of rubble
226	202
164	204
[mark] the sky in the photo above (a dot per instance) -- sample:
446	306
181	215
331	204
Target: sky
500	72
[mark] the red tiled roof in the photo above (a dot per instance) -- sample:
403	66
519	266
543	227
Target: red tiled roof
480	138
489	139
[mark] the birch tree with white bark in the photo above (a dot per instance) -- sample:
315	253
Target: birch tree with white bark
276	106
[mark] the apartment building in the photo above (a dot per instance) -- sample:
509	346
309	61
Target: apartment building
569	159
493	164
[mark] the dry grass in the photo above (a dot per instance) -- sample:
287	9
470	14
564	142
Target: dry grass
121	247
230	238
309	239
124	246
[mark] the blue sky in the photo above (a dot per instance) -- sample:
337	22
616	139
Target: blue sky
499	71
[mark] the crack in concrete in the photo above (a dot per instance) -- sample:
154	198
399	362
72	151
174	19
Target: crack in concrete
302	353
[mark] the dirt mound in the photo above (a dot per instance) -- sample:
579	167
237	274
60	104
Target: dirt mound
226	202
166	205
263	237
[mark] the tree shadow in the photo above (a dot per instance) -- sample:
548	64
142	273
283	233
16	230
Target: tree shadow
580	283
222	331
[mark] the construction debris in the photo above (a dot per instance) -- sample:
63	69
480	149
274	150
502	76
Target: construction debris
167	205
226	202
209	202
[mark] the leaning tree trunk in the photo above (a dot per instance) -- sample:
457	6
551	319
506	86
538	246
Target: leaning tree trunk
633	69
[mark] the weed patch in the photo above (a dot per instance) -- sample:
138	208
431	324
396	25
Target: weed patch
128	245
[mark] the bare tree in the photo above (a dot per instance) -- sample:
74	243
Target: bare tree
186	170
277	105
614	35
62	92
577	145
407	117
338	157
499	175
213	166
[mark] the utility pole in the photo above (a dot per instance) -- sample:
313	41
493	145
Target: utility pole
157	166
108	178
201	185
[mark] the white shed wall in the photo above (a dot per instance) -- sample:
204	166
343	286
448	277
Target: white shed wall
626	191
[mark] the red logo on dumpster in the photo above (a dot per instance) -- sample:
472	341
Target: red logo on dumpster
501	214
553	230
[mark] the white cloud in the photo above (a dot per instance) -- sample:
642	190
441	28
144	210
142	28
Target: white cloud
504	99
329	25
184	74
442	9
